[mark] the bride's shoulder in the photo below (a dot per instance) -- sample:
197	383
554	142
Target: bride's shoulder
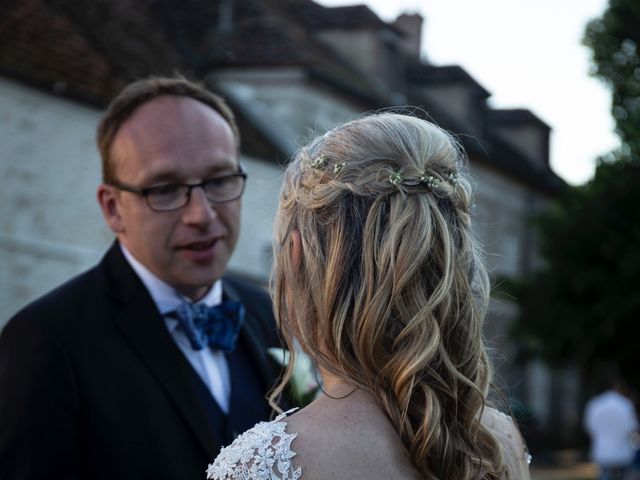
263	451
504	428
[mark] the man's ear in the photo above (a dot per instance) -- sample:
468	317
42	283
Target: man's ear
106	195
296	248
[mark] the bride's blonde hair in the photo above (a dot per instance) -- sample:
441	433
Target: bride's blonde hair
390	293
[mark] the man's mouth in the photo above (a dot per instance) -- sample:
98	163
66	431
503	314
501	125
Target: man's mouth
200	246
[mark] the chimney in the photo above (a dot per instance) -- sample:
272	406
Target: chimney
411	25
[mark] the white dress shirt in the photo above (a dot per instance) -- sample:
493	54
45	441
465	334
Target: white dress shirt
211	365
610	419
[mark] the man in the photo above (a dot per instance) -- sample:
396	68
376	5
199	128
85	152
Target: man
116	374
610	419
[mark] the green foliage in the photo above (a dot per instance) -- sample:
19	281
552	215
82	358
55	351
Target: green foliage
614	40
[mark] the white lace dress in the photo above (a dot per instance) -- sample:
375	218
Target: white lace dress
262	453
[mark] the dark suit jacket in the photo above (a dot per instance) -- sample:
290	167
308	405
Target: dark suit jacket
92	386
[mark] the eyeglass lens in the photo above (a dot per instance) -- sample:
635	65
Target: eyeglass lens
220	189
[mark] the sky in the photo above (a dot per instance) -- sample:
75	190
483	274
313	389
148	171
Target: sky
528	55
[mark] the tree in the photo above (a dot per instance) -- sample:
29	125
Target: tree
614	39
583	305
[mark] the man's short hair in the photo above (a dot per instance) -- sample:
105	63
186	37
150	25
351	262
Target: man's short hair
140	92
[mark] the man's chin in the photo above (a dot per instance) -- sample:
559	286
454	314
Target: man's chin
198	286
194	293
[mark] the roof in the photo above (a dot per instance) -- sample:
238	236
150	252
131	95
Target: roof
43	47
315	16
432	74
89	50
516	116
94	48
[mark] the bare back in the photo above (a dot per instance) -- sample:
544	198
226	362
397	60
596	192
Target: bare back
348	438
352	438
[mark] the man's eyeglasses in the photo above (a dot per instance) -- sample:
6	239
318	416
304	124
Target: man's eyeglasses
163	198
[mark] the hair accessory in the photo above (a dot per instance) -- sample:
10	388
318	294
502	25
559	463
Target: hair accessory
453	178
395	178
319	162
337	168
430	180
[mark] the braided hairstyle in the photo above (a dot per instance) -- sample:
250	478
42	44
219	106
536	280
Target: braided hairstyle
391	293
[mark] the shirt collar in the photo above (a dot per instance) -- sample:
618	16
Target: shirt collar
164	295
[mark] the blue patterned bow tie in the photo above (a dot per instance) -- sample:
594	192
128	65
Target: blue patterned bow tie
217	326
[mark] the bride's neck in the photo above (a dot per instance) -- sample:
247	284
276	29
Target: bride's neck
338	393
334	386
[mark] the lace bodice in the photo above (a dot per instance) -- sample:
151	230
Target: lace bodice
263	453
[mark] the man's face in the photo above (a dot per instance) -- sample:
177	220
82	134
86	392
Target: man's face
174	139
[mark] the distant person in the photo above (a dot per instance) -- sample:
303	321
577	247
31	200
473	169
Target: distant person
610	420
124	372
378	279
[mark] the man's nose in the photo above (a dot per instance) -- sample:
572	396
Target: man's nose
199	210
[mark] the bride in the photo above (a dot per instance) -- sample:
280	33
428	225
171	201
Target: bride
378	278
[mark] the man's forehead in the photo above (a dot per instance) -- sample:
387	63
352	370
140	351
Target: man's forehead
170	131
173	142
169	112
171	122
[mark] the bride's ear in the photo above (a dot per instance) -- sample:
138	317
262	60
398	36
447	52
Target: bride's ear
296	250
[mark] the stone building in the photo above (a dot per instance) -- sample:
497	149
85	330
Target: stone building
286	67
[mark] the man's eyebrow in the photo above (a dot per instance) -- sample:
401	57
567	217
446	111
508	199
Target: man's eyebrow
171	176
163	177
223	168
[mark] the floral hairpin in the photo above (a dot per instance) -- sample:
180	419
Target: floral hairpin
395	178
319	162
453	178
430	180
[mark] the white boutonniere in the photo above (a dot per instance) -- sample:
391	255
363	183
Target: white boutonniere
303	385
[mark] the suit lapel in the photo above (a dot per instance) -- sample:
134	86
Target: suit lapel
142	326
250	336
248	403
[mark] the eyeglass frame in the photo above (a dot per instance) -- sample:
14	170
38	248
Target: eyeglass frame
145	191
